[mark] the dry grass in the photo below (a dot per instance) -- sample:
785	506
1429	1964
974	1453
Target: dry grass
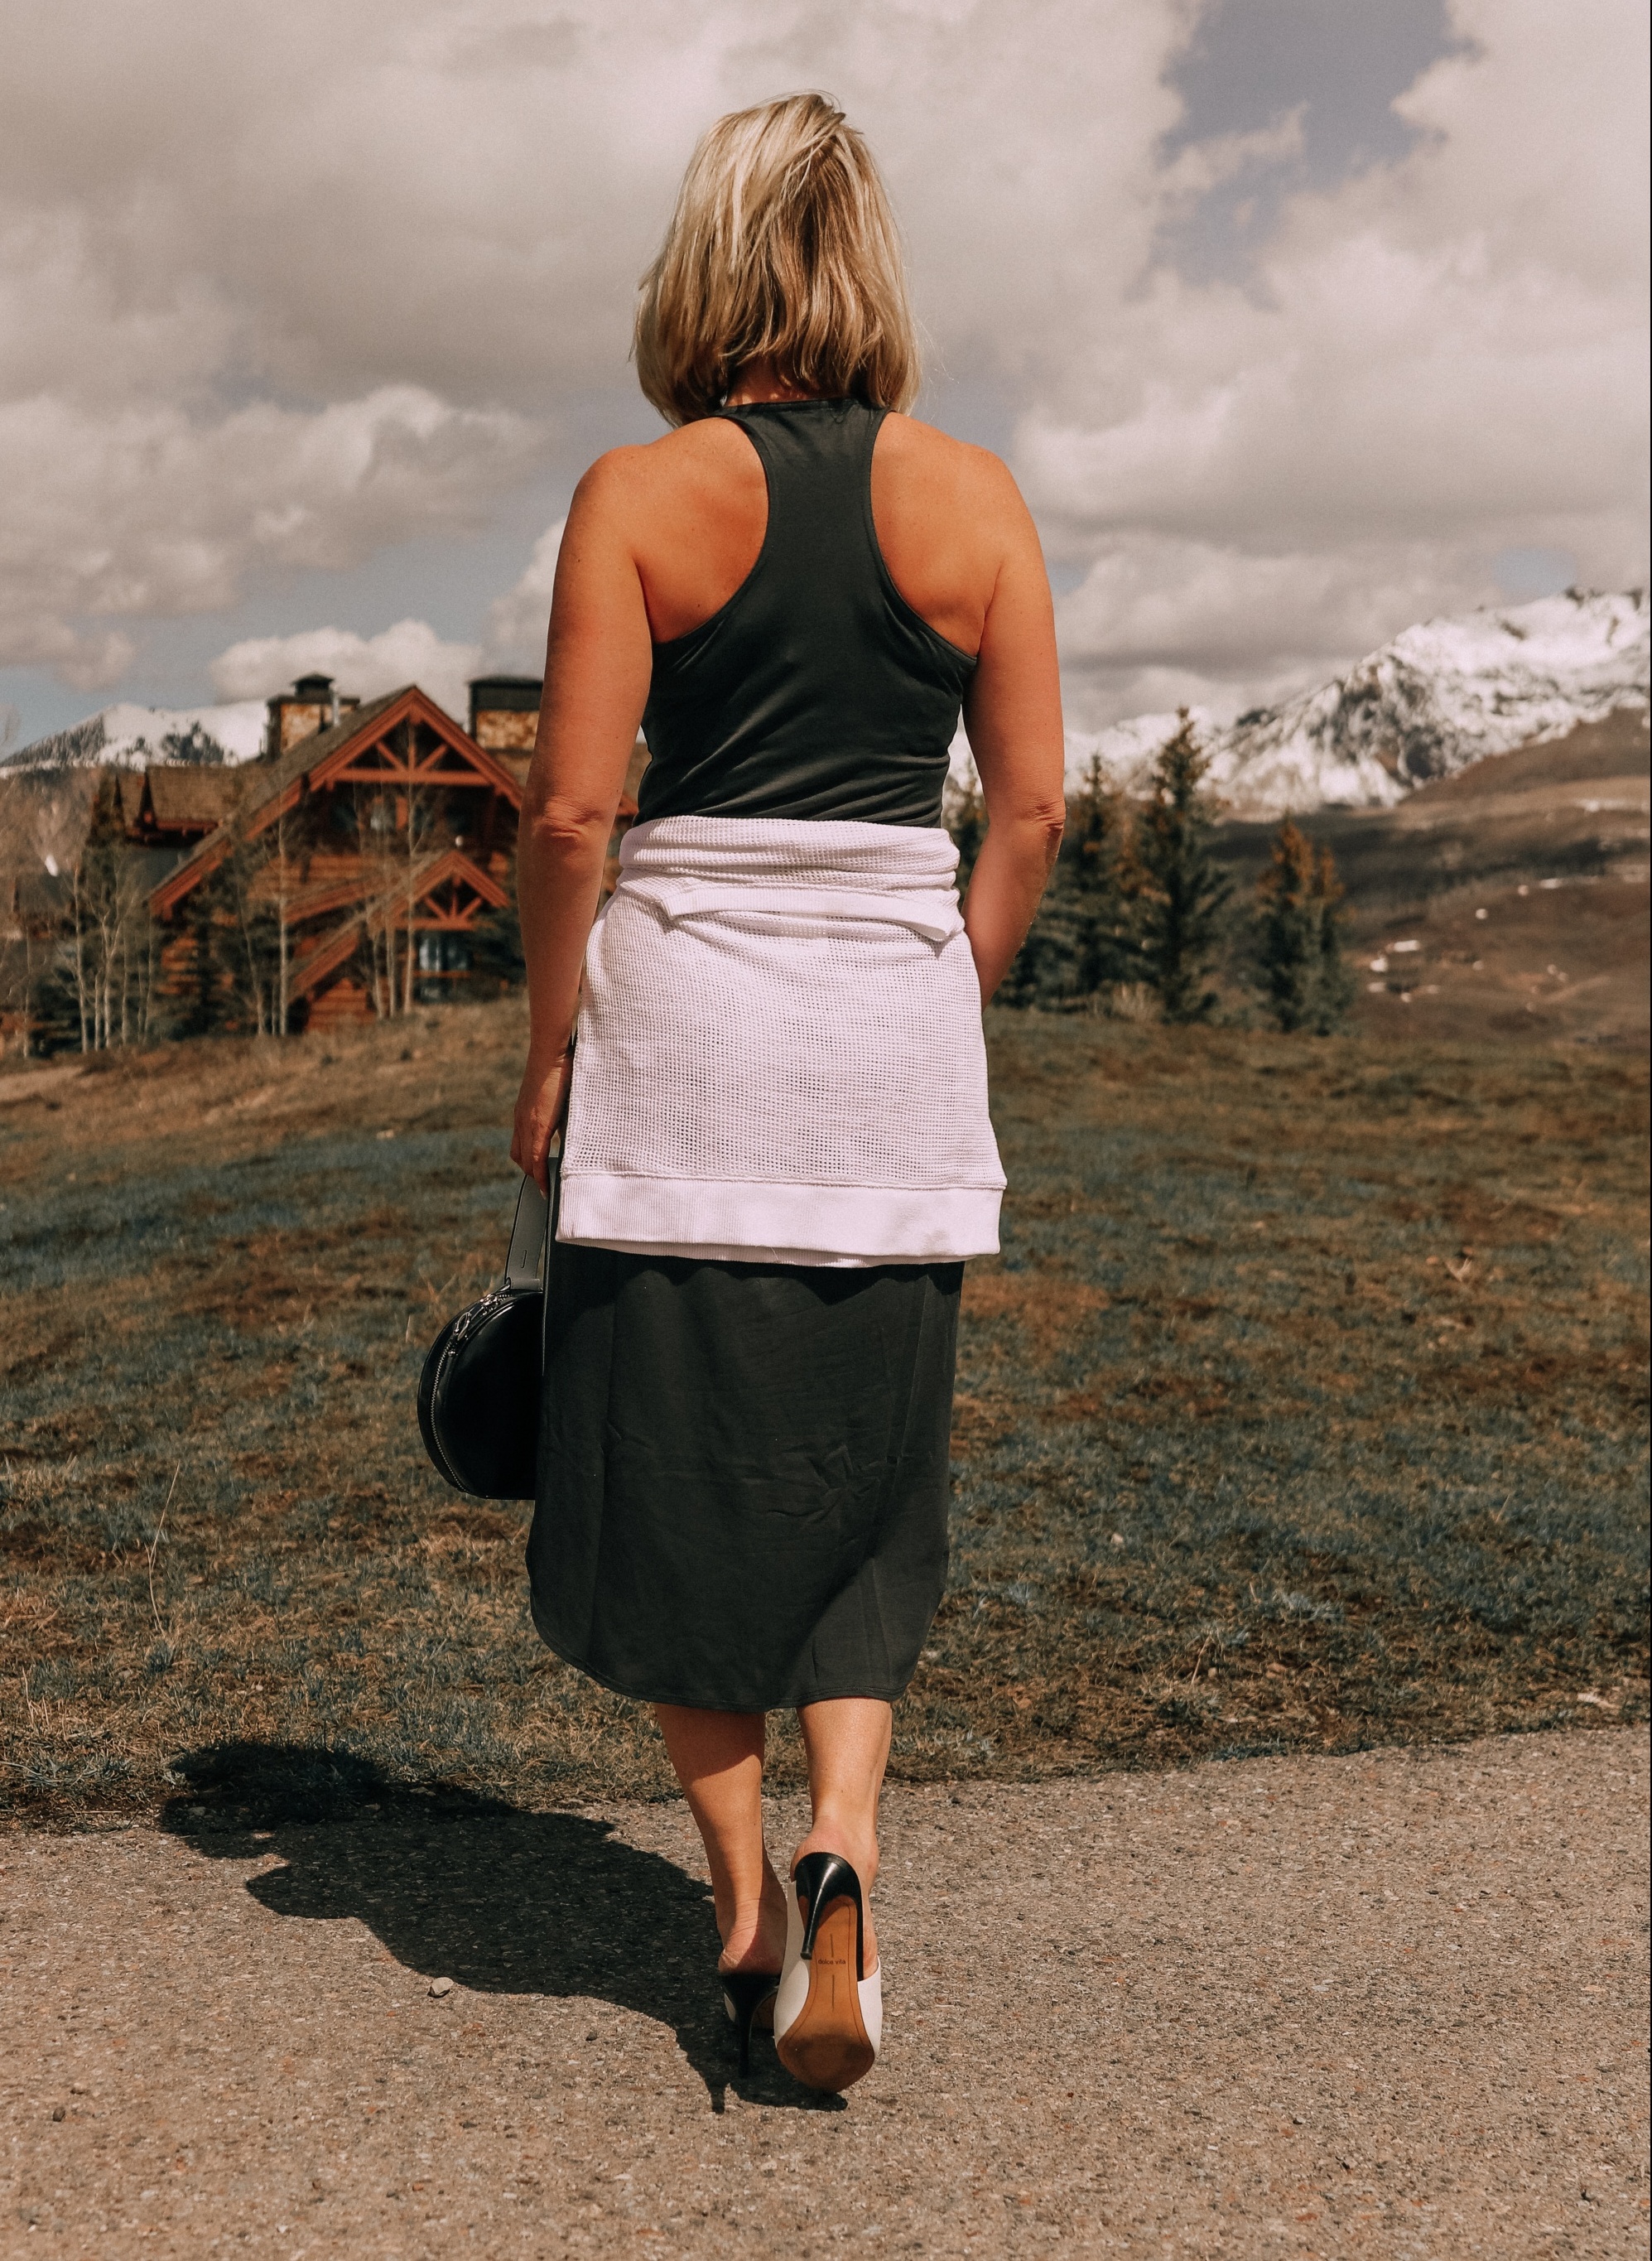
1304	1409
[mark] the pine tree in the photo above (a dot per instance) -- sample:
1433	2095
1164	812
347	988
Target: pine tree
1299	937
1105	882
1182	891
1041	971
1337	982
1288	925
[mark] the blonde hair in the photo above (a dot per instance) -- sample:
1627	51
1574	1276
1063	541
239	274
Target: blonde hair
782	245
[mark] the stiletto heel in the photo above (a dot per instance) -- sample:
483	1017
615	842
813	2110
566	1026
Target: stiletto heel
744	1994
827	2014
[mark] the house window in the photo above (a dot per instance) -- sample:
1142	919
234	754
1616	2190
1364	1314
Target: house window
443	958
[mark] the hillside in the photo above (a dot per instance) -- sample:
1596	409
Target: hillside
1508	900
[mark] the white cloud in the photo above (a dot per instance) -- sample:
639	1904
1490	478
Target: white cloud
1159	620
517	621
1438	360
410	651
149	511
281	287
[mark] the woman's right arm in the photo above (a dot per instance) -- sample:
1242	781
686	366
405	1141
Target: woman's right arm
599	660
1013	715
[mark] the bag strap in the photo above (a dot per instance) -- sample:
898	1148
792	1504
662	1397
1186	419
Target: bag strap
535	1222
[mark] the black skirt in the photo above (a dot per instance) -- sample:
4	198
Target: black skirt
742	1476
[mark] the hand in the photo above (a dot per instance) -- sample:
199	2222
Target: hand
541	1105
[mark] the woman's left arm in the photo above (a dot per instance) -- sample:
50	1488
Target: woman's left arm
599	659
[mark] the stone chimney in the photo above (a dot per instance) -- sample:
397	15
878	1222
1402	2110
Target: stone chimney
505	717
313	704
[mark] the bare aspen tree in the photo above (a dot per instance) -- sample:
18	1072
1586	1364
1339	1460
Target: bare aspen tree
283	998
414	845
82	993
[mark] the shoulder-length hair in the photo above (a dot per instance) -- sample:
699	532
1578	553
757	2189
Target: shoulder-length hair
782	245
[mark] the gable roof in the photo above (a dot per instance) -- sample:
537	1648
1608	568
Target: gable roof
187	797
389	910
352	750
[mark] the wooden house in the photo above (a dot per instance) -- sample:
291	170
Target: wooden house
176	805
369	861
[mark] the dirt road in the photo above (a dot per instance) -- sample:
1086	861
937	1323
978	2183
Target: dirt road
1387	2004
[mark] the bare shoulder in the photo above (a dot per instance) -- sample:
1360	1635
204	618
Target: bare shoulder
653	468
935	453
953	473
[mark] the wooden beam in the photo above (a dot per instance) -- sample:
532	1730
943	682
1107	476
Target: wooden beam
473	767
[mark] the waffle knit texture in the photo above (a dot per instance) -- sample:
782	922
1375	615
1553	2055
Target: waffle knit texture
780	1055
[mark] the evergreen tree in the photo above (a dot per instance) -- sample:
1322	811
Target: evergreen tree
1083	939
201	1008
1337	981
1288	922
1099	849
1299	940
1181	891
1041	971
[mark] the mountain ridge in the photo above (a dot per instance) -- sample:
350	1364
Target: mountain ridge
1440	696
126	735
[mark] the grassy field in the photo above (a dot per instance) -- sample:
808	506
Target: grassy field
1304	1409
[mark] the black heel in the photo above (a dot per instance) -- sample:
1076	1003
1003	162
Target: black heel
743	1994
827	2014
817	1879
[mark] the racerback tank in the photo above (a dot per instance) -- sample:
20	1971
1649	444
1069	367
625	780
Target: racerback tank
815	692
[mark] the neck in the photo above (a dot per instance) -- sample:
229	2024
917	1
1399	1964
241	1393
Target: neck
759	381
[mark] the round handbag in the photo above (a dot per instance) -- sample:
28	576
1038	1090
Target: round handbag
479	1391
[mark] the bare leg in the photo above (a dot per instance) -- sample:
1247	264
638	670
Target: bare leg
718	1756
848	1744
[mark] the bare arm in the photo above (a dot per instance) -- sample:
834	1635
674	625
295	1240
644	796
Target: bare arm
598	662
1013	715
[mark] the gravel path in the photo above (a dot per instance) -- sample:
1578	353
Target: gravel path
1392	2003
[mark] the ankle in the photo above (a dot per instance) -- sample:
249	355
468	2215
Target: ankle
751	1947
755	1938
857	1843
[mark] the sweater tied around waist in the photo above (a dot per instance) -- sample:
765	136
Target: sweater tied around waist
780	1055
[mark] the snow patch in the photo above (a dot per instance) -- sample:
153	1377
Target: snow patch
128	736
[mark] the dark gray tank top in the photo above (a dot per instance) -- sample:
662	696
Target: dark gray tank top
816	691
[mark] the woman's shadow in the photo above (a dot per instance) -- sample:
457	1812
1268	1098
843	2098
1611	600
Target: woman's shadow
467	1887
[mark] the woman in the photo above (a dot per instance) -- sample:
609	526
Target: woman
776	1153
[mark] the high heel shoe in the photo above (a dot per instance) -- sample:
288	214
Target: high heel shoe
744	1994
829	2013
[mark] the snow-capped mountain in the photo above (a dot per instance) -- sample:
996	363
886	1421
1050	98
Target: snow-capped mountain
125	736
1441	695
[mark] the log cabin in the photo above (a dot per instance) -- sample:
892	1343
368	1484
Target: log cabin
371	847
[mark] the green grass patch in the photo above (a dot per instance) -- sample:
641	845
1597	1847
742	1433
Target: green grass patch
1304	1409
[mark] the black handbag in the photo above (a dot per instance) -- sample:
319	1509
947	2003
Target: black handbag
479	1392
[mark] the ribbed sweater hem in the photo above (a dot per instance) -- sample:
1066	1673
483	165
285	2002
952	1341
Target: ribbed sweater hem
792	1223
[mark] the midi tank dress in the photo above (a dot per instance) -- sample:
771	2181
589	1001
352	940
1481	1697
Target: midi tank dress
743	1472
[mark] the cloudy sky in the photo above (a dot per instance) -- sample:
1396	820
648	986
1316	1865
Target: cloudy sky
1297	320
